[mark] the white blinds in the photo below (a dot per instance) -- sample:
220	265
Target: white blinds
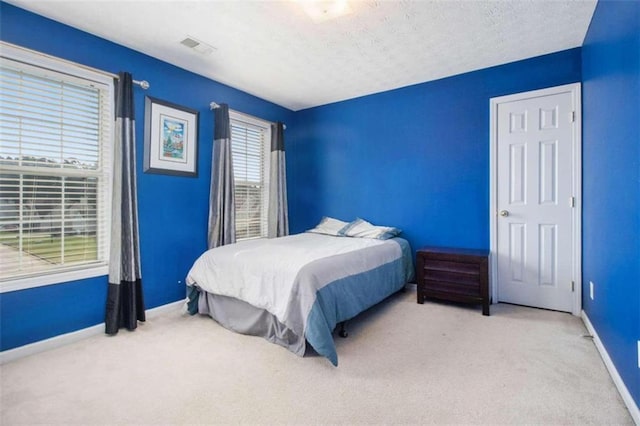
55	151
249	144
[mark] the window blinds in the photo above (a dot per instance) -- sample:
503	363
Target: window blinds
55	151
249	143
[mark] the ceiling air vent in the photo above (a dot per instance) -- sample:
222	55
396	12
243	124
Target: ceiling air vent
197	45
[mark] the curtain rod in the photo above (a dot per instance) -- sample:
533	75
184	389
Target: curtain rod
144	84
214	105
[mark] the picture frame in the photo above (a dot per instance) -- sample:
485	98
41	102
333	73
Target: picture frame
170	138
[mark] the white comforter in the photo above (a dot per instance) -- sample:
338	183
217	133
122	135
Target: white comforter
263	272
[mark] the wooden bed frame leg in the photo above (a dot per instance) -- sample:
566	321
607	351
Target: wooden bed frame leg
343	331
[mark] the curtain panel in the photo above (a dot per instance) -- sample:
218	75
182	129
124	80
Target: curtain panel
125	302
222	219
278	218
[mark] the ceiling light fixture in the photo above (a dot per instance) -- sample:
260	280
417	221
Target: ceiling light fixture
325	10
197	45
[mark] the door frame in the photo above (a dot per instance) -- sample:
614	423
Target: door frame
575	90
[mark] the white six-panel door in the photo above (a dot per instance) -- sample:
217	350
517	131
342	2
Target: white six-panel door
535	229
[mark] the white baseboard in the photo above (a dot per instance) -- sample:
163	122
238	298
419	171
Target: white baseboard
617	380
74	336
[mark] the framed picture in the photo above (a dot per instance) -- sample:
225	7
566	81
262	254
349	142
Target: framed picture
170	138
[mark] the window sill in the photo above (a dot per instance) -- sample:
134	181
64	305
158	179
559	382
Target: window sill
56	278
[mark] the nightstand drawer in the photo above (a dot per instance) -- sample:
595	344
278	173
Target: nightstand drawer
452	266
452	287
450	275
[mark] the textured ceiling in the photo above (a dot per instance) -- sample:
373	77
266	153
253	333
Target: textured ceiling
273	50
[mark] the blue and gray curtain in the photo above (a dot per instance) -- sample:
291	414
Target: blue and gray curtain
125	303
278	212
222	219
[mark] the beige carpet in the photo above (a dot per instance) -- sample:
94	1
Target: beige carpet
403	363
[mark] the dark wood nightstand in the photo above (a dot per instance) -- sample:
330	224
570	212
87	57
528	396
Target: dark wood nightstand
458	275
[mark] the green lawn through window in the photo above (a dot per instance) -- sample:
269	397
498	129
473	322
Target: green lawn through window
77	248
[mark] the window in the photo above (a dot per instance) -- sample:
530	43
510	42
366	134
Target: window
250	147
55	170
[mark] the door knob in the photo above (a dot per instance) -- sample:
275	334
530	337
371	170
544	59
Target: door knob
504	213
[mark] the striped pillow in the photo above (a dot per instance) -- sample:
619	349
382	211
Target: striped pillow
360	228
329	226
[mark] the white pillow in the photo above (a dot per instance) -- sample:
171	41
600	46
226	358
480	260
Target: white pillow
329	226
360	228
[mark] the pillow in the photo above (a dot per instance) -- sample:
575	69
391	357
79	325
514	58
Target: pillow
360	228
329	226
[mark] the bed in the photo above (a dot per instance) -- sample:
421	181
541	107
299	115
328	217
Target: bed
296	289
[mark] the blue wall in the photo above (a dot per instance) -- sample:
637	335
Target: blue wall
416	158
611	182
173	210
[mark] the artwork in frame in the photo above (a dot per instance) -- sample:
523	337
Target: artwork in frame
170	138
